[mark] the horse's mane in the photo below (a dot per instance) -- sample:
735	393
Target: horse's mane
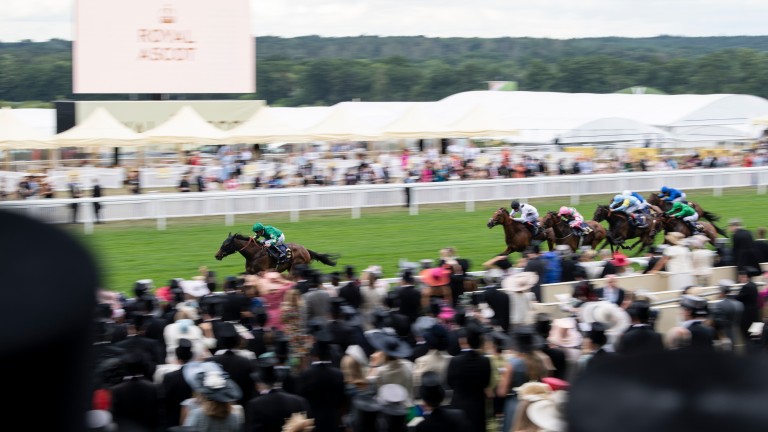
240	236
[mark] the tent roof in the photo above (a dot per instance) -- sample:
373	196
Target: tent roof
16	134
99	129
276	124
186	126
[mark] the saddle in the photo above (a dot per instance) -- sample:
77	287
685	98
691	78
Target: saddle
640	220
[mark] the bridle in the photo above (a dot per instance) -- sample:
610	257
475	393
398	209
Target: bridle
250	240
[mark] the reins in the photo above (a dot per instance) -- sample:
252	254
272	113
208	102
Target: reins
250	239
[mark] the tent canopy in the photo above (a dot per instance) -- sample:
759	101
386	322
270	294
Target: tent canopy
186	126
100	129
15	134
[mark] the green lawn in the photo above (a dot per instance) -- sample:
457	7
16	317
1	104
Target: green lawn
128	251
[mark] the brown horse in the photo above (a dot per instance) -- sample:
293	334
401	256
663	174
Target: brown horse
620	229
564	234
257	258
516	235
673	224
654	200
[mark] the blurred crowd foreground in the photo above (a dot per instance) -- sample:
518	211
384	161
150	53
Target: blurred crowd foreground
49	344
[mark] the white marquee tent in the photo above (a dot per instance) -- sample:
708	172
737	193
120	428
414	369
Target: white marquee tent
186	126
100	129
16	134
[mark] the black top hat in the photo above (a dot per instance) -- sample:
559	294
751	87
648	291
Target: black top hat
226	333
265	369
524	339
184	350
437	338
431	390
389	344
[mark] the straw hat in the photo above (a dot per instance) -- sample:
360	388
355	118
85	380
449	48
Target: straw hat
549	414
520	282
674	238
533	391
615	319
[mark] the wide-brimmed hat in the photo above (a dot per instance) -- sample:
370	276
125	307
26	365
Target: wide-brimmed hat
393	399
533	391
422	325
265	371
390	345
519	282
357	353
615	319
374	270
436	276
698	241
564	333
620	260
674	238
194	288
549	413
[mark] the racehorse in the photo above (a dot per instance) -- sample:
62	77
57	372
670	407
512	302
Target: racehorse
516	235
620	229
564	234
654	200
257	258
673	224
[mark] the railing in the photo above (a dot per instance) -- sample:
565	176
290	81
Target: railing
161	206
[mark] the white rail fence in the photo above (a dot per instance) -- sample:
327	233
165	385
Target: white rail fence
161	206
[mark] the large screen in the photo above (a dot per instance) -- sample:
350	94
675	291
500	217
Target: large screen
163	46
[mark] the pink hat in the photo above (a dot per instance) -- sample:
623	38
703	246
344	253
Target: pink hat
446	313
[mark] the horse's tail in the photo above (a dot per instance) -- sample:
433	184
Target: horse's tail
327	259
710	217
719	230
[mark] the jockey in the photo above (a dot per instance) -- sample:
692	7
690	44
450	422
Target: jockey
529	215
644	206
274	239
575	220
687	214
629	205
671	195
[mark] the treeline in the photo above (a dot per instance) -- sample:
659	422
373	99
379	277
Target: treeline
324	71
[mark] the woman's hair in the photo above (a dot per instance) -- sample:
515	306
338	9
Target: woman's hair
536	370
352	371
216	409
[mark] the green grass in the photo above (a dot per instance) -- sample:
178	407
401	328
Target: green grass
128	251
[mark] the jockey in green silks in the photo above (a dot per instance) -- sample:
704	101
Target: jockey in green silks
686	213
274	239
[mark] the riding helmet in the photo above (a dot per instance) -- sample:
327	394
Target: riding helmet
564	211
664	189
514	205
618	198
257	227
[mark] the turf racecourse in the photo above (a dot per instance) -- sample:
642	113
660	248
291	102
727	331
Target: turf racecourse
132	250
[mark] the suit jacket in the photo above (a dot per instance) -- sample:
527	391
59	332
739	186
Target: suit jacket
727	315
499	302
608	268
351	293
317	304
236	303
136	405
322	385
267	413
640	339
239	369
619	297
748	297
702	336
410	302
744	250
538	266
444	419
174	391
468	375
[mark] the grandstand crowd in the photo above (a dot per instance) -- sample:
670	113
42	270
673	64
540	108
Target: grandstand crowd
440	349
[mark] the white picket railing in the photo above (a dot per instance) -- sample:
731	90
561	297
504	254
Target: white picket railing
161	206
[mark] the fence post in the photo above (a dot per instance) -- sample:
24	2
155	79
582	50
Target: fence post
229	212
357	202
295	208
413	203
575	193
87	217
470	199
717	191
160	214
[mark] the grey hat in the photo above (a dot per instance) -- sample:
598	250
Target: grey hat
696	304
